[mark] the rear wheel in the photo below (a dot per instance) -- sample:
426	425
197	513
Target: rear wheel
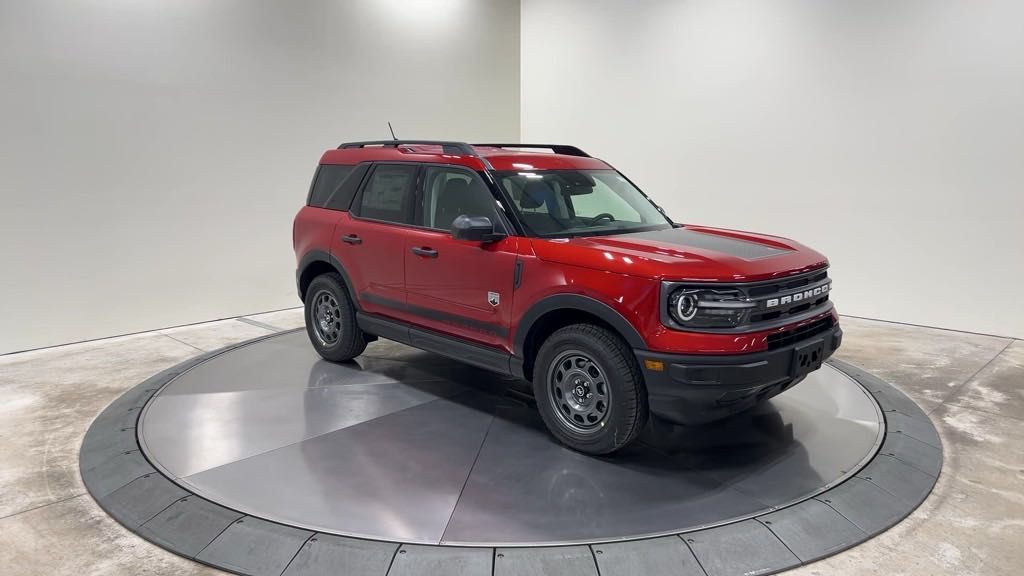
331	320
589	389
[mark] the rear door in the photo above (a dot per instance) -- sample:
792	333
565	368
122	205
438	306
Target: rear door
459	288
314	224
371	241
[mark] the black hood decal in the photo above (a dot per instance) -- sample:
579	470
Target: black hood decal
688	238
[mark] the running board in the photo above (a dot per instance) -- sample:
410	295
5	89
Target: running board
448	346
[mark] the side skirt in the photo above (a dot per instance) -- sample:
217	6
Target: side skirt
454	348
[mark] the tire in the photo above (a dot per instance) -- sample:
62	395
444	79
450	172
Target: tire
331	320
599	361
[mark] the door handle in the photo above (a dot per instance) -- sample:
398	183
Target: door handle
425	251
352	239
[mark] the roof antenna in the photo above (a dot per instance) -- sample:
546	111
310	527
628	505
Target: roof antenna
393	137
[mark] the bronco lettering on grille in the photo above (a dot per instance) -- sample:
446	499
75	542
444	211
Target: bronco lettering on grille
809	294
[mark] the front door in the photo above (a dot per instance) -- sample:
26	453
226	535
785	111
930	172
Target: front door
460	288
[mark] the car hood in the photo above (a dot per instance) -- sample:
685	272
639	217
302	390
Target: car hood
693	253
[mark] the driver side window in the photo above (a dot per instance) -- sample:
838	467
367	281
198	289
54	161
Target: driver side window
452	192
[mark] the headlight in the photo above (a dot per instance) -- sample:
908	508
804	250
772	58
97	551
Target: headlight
707	307
684	305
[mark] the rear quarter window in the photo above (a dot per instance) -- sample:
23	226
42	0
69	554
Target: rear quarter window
334	185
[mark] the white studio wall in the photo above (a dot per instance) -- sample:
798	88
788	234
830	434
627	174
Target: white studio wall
154	153
887	134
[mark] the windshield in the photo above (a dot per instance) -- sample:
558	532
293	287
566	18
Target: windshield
553	203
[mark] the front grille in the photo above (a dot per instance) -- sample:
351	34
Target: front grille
766	292
791	311
783	339
736	307
786	285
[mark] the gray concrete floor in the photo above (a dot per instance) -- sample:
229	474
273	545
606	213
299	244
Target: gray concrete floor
971	385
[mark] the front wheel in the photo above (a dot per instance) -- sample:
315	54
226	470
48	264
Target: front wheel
589	389
331	320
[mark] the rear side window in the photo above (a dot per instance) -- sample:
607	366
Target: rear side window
328	179
387	194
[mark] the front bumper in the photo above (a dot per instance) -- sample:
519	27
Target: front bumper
691	389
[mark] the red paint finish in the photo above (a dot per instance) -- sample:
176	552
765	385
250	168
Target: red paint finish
404	154
376	265
458	281
663	261
313	229
636	297
449	293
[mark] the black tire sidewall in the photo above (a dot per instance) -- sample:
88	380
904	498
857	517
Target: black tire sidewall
628	406
351	342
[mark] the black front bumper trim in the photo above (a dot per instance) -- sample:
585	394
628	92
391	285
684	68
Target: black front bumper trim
694	389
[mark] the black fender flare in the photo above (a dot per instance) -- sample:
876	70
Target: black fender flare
321	256
575	302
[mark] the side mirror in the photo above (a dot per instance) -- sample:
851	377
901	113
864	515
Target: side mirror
474	229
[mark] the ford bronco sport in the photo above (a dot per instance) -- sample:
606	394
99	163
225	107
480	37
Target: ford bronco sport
543	263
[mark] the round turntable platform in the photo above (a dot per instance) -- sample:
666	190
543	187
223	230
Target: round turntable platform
263	455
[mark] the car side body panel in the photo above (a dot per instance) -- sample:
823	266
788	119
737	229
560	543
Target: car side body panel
463	288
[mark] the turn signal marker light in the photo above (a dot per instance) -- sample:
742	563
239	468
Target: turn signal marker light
656	365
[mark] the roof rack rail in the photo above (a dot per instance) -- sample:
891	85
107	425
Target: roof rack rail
556	148
448	147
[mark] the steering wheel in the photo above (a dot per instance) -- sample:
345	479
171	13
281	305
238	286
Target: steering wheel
601	216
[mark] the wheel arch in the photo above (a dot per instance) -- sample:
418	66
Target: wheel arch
554	312
317	262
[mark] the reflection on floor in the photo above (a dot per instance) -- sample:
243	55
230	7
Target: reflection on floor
416	448
973	386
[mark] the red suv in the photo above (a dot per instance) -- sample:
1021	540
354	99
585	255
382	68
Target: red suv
541	262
